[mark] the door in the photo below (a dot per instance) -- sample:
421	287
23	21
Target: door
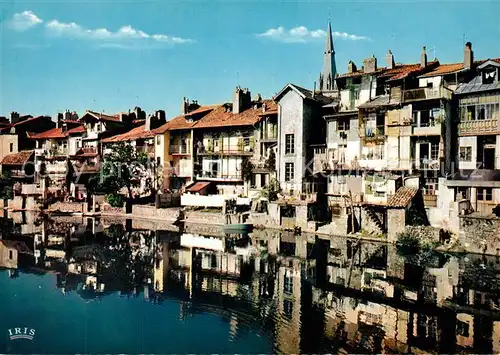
424	154
489	158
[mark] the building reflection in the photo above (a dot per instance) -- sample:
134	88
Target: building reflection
312	294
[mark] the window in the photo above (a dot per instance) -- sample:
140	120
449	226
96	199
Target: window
484	194
11	255
98	127
425	119
158	140
462	328
158	161
287	308
289	144
11	147
465	153
343	125
289	171
489	76
288	284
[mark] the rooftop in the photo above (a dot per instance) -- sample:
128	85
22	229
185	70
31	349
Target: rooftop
133	134
57	133
402	197
19	158
213	116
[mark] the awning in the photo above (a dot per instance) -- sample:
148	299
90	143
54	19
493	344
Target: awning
197	187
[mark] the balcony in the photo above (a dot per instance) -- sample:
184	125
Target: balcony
146	149
432	129
208	176
226	150
430	200
180	149
271	135
478	127
421	94
374	133
427	164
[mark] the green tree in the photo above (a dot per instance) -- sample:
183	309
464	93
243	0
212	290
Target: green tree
246	169
7	186
271	161
122	168
271	191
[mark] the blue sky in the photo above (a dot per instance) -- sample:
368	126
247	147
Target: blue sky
114	55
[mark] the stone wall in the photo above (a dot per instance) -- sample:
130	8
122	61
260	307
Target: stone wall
480	235
396	220
204	217
107	208
78	207
146	211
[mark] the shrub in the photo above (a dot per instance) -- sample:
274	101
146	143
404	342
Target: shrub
408	243
115	199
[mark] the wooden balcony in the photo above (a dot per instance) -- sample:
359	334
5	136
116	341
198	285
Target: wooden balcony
226	150
180	149
430	200
478	127
421	94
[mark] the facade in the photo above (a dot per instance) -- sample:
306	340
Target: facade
214	143
14	133
142	138
478	177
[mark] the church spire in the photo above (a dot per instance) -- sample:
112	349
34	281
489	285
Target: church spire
327	77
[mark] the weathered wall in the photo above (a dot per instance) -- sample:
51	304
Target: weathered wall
396	220
480	235
146	211
204	217
68	207
290	121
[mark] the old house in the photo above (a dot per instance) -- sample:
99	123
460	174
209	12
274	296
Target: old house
54	148
14	133
142	138
217	143
479	137
19	166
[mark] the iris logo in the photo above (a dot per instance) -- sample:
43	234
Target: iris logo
21	333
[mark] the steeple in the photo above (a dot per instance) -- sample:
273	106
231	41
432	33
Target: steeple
327	77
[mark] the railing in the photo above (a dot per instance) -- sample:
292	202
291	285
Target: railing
180	149
219	176
432	128
479	126
375	132
426	164
430	200
426	94
226	150
147	149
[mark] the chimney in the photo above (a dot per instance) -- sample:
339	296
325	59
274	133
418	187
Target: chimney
241	100
60	118
314	90
14	117
184	106
389	59
351	67
370	65
64	128
423	58
147	123
67	115
468	56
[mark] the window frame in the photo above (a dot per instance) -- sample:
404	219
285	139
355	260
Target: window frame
289	171
289	145
463	156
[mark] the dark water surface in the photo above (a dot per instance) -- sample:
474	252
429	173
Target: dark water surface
92	286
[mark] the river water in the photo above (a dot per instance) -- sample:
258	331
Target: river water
95	286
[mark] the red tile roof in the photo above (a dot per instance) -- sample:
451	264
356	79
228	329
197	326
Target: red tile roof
57	133
17	158
198	186
402	197
398	72
133	134
103	117
7	127
445	69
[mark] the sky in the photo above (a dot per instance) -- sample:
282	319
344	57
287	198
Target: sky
113	55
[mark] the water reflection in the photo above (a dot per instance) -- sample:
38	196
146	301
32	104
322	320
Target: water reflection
303	293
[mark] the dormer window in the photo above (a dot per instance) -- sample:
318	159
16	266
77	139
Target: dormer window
489	76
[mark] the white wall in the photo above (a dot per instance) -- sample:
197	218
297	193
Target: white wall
468	142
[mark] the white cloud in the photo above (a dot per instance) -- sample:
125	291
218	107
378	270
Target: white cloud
302	34
73	30
23	21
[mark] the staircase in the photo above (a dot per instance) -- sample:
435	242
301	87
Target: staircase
370	221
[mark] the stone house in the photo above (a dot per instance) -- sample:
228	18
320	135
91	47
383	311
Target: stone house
213	143
142	138
19	165
14	133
